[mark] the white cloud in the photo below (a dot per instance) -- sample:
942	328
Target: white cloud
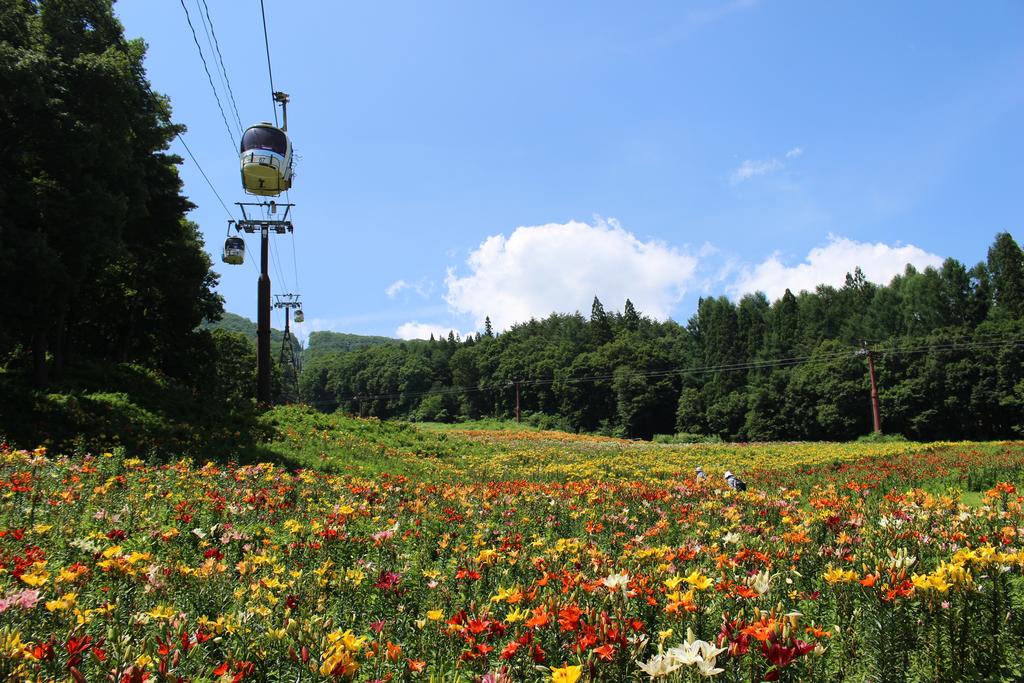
707	249
829	264
415	330
423	288
396	287
561	267
751	168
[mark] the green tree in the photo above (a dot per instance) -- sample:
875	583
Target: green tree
600	324
231	376
93	214
630	318
1006	275
828	397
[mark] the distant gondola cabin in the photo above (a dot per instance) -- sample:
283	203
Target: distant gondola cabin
234	251
299	317
266	160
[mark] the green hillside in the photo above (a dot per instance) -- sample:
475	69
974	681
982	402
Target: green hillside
232	322
333	342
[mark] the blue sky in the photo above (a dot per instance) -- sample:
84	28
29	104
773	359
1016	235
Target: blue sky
463	159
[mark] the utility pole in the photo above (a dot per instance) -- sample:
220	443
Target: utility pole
515	383
518	414
265	226
875	412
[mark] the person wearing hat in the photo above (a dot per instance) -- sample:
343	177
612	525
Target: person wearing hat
700	474
735	482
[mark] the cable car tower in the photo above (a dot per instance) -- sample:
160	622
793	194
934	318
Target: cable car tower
287	359
265	225
266	164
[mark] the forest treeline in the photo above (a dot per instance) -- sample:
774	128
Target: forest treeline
948	342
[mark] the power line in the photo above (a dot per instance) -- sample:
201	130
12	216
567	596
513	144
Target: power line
821	359
505	384
205	177
275	255
276	260
295	265
225	81
209	42
783	362
270	71
234	145
295	262
215	193
951	346
250	261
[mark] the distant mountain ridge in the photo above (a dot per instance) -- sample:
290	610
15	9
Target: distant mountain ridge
335	342
232	322
319	342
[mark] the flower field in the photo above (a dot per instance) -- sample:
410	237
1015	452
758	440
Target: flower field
518	556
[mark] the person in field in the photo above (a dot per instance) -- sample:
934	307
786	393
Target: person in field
735	482
700	474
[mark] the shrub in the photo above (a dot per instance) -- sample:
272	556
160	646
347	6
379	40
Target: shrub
878	437
687	437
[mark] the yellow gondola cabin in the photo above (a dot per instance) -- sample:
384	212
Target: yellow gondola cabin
266	160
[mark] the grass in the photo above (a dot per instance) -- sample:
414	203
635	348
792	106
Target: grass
431	452
488	424
341	443
972	498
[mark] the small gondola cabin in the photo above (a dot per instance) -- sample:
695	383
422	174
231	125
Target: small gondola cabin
266	160
234	251
299	317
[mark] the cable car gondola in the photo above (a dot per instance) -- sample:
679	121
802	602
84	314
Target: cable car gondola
234	251
298	317
266	160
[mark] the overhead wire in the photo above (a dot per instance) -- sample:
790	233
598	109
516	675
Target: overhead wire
205	177
950	346
209	45
270	71
223	72
215	193
270	74
275	254
139	72
223	69
295	262
275	260
820	359
274	257
505	384
206	68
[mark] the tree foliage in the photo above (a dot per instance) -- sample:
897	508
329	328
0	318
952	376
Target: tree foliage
752	369
97	259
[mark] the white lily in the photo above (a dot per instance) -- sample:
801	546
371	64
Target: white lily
616	581
686	654
709	652
659	665
708	669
